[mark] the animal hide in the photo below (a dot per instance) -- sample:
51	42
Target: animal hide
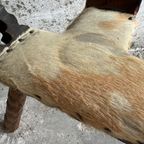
85	72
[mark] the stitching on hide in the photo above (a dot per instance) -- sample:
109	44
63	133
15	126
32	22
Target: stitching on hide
18	40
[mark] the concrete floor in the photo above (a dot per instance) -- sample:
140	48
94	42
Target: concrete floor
41	124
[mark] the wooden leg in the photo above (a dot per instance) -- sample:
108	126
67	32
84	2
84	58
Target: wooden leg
14	109
129	6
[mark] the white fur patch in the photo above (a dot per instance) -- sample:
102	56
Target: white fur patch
118	101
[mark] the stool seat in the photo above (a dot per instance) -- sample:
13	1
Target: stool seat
85	72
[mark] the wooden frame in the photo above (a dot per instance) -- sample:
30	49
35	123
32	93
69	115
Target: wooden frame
15	103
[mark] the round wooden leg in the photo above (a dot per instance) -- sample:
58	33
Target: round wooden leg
15	103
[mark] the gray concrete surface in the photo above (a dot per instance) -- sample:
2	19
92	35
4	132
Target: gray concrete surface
52	15
41	124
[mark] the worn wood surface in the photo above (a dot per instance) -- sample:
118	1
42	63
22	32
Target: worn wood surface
14	109
129	6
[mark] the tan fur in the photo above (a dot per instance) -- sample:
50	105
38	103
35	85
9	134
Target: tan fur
109	25
86	72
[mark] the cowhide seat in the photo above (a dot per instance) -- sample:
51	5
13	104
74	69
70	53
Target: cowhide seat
85	72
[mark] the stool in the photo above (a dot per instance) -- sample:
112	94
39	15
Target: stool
85	72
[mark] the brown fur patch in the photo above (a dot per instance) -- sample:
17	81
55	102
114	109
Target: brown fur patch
109	24
114	23
88	95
